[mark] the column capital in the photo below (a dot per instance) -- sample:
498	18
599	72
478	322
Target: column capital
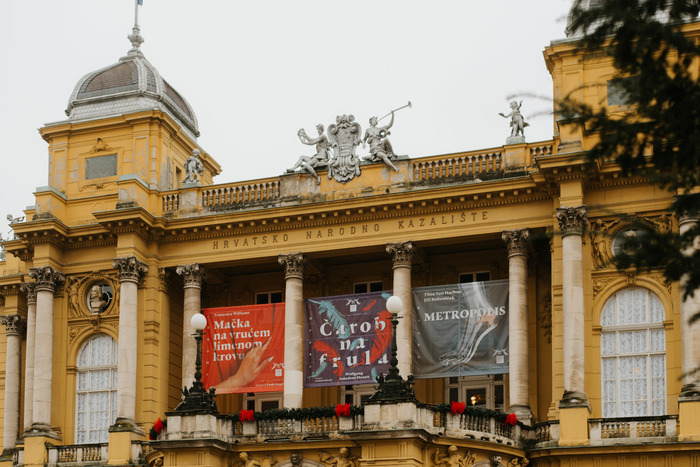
294	265
15	324
47	278
402	253
572	221
29	288
687	217
192	274
130	269
516	241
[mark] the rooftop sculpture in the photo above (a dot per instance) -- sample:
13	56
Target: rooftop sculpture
193	168
517	123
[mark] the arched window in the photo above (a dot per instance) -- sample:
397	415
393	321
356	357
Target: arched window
96	390
633	354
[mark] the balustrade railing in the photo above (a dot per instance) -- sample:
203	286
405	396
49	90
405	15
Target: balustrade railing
218	196
605	430
456	166
78	453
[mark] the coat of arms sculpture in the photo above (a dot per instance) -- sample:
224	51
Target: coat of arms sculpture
344	136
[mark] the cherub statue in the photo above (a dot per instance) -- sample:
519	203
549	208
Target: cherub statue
14	220
452	459
317	160
343	460
193	167
517	123
379	146
247	461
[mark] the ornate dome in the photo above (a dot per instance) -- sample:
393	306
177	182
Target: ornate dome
130	85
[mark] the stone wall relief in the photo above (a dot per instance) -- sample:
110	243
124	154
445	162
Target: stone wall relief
93	294
607	236
246	460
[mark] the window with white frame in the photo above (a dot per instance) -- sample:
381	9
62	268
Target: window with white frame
356	394
476	276
268	297
487	391
96	389
262	401
364	287
633	354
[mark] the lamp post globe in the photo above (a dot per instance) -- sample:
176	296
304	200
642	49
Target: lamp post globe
198	321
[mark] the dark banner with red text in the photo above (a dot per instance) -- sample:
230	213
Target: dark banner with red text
460	329
243	348
348	339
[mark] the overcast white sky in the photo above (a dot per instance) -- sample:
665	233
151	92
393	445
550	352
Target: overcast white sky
256	71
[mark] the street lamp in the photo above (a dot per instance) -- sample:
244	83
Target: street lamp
393	387
197	399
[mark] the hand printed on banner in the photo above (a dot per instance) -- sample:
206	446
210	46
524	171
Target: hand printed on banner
243	348
250	368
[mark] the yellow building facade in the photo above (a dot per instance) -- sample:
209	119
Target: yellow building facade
131	238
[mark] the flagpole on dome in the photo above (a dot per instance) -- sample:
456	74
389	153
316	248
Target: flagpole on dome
135	36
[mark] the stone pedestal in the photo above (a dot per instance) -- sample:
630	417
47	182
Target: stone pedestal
193	275
515	157
294	329
402	256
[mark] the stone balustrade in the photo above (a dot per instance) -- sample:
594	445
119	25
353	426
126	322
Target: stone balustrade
633	430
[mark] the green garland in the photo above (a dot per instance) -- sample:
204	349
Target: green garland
300	414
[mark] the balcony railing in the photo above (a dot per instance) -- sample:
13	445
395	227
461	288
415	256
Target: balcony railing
465	165
95	454
640	429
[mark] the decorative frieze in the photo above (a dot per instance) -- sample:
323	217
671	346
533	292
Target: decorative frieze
572	221
130	269
294	265
46	278
192	274
402	253
15	324
516	241
29	288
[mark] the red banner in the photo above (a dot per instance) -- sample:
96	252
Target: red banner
243	348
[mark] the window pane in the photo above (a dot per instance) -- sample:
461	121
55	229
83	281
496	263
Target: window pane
607	343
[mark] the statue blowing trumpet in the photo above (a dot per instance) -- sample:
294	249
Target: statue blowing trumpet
409	105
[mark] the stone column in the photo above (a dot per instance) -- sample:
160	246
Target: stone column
46	280
130	272
519	384
193	275
30	289
293	328
402	255
15	325
689	398
572	222
690	333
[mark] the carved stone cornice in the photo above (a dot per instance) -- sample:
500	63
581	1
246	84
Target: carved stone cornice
15	324
130	269
516	241
192	274
46	278
401	253
29	288
294	265
572	221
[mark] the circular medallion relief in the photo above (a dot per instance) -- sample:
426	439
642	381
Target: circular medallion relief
626	241
99	297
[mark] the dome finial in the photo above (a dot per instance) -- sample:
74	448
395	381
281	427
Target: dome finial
135	36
